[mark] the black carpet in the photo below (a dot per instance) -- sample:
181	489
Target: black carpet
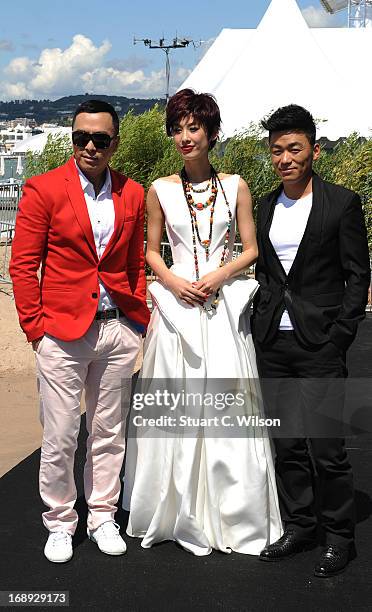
166	577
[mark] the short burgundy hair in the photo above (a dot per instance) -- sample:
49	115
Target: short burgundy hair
203	107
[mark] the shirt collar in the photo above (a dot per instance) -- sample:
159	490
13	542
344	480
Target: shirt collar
87	185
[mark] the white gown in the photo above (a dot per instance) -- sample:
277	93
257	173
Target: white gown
202	492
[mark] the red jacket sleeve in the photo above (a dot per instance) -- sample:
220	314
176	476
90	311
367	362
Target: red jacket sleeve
31	231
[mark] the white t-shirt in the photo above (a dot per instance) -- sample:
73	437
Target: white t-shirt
286	232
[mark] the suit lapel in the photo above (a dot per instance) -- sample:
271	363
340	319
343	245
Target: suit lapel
316	225
77	199
268	212
267	220
313	227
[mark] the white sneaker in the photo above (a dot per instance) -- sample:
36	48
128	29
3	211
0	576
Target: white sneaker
108	539
58	548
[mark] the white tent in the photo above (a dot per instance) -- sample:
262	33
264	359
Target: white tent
37	142
326	70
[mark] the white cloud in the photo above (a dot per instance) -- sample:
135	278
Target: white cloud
19	67
15	91
108	79
81	67
317	17
58	68
121	82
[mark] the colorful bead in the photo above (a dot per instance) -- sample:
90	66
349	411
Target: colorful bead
187	187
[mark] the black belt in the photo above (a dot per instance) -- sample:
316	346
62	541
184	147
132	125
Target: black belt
111	313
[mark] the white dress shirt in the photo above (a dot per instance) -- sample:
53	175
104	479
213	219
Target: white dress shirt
102	217
287	228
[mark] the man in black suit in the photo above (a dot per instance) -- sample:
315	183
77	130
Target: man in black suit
313	270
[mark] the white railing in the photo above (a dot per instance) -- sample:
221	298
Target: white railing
9	198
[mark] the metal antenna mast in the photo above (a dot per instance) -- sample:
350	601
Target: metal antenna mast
359	12
177	43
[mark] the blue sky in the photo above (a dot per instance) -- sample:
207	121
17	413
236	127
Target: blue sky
49	49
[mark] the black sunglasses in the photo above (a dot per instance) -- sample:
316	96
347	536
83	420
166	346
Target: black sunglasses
99	139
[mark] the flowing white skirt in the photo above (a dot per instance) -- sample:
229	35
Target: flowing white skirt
202	492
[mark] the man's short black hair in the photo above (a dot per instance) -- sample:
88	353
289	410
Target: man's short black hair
98	106
291	118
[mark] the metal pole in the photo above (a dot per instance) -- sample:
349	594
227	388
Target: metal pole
167	75
178	43
357	13
364	6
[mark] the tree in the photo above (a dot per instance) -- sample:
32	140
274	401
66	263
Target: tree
350	164
247	154
56	152
146	153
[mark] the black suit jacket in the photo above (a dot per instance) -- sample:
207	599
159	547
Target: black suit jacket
326	289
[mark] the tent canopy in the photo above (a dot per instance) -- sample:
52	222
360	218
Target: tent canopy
253	72
36	143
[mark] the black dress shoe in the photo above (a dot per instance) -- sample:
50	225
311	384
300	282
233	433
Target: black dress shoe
288	545
333	561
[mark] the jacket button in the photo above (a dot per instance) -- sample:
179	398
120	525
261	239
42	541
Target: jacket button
94	295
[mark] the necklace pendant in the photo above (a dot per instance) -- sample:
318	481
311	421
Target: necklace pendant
199	206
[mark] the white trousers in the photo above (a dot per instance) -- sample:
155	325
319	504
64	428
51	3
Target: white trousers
102	362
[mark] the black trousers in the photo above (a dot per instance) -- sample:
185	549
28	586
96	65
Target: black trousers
305	386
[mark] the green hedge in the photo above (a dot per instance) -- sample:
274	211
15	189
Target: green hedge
146	153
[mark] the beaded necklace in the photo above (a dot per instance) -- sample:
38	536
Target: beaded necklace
215	181
200	205
201	189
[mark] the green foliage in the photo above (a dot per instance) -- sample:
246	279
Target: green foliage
247	154
350	164
146	153
343	165
56	152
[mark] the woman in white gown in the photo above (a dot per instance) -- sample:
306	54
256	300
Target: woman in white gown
201	491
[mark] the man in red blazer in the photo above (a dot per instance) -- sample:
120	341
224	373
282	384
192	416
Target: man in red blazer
84	315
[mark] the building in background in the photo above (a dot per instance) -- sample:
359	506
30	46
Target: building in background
13	160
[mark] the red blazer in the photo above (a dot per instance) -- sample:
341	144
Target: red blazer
53	228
